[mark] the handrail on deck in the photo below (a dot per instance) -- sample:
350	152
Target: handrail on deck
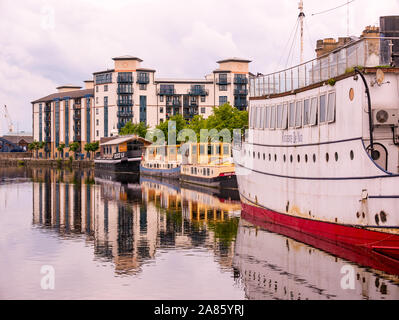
365	52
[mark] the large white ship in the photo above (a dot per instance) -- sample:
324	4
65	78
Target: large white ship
321	155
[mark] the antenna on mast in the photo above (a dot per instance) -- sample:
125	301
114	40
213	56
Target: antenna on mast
301	18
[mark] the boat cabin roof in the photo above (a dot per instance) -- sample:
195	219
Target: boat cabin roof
124	139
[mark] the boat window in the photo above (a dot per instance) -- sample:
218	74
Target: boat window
279	116
284	122
218	149
306	112
273	118
298	115
207	171
251	117
194	150
258	118
202	149
209	149
291	115
331	107
267	118
323	108
226	150
313	112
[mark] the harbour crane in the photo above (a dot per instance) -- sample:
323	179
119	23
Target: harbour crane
9	120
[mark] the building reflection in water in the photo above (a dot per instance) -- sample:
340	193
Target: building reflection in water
127	223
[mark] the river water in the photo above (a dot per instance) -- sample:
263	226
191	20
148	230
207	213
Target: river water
83	235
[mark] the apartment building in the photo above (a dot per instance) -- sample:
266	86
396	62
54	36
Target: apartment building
130	92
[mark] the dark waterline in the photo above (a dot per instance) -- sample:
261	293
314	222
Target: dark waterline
152	239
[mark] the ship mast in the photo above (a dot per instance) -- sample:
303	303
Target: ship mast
301	18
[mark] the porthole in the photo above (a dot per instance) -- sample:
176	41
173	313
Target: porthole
258	155
299	158
314	158
306	158
270	157
327	157
285	158
264	157
275	157
352	155
336	156
254	155
291	158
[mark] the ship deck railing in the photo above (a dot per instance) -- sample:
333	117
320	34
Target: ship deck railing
364	52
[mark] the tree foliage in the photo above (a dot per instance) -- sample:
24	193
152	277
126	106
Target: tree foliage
139	129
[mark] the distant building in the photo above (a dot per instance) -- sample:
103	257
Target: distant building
15	143
130	92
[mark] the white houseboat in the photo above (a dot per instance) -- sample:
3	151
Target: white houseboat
322	152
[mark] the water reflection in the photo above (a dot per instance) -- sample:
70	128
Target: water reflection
149	238
129	221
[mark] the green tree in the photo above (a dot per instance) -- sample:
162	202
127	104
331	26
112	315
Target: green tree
60	149
197	123
74	147
180	125
227	117
92	147
139	129
34	146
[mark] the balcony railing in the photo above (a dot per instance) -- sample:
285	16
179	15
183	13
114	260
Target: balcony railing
125	103
77	116
198	92
223	80
173	103
47	139
125	79
47	119
143	79
125	90
240	104
166	92
239	80
362	52
77	138
47	109
126	114
241	92
77	106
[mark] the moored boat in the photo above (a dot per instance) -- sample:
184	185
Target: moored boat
161	161
121	154
209	165
321	155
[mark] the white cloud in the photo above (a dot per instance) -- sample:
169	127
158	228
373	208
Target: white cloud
47	43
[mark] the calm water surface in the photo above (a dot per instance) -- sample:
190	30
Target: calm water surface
151	239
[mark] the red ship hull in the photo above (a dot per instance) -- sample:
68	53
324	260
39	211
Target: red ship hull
357	244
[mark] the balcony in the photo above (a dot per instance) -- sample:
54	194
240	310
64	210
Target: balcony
198	92
77	106
77	116
47	139
77	138
47	109
143	79
47	119
125	90
240	104
125	103
125	79
223	80
173	103
240	80
125	114
166	92
240	92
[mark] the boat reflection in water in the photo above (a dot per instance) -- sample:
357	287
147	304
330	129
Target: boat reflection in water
128	222
277	263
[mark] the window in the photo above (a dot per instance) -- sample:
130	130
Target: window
258	117
96	88
262	117
267	118
97	133
160	98
96	111
142	86
284	123
223	87
306	112
202	110
96	100
331	107
273	117
292	115
161	110
298	115
222	100
313	112
97	122
279	116
323	108
203	98
106	88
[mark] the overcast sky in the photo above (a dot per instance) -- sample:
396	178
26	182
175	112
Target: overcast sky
45	44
